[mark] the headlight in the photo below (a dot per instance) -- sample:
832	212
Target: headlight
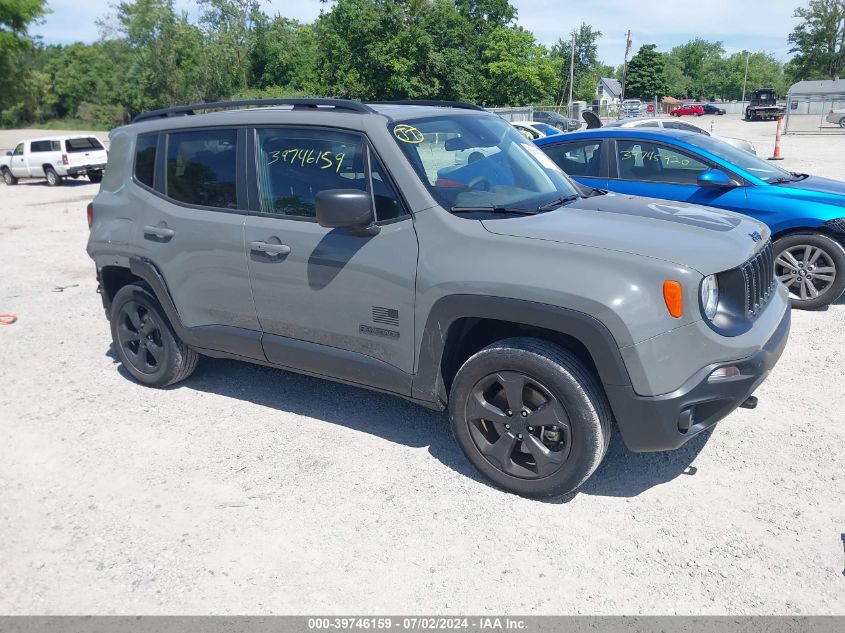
709	296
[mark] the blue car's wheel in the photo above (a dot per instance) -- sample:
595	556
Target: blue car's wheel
812	267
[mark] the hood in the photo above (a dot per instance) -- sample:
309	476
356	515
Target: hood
817	184
703	238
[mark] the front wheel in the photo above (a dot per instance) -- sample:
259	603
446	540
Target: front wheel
145	341
812	267
530	416
9	178
842	122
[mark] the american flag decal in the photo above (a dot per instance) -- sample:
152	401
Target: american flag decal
386	316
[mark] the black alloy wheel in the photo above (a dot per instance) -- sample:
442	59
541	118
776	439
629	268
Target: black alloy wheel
140	337
519	425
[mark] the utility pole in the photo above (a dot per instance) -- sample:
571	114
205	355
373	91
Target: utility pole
571	75
745	81
625	66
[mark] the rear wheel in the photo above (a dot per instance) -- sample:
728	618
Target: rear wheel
95	176
8	178
53	178
842	122
812	267
530	417
145	341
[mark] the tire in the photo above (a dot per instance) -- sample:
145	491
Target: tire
145	342
95	176
8	178
812	266
842	122
53	178
548	384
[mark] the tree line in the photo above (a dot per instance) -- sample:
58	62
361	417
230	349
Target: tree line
151	55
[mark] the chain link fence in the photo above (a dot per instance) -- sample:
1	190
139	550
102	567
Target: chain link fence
815	114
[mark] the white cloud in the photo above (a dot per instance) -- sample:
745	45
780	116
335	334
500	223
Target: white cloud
738	23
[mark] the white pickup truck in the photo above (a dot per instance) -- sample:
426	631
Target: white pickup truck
55	158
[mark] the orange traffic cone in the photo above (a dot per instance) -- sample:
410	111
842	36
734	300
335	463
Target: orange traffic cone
777	155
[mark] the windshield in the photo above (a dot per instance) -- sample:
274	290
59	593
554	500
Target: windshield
758	167
480	161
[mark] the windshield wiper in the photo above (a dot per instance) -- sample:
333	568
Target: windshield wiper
493	209
554	204
598	192
793	177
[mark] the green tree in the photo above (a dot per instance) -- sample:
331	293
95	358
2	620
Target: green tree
164	61
486	15
588	69
284	55
516	70
16	16
228	28
646	79
819	40
696	60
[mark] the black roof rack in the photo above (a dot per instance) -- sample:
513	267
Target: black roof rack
337	104
430	102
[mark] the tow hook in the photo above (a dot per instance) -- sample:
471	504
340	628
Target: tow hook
750	403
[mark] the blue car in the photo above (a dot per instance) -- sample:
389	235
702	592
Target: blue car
806	213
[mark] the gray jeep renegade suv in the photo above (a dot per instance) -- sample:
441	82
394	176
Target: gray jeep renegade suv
433	253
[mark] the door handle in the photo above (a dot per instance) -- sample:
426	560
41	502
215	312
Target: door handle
159	231
270	249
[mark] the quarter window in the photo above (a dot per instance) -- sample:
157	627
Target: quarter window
387	202
577	159
643	161
145	158
295	164
201	168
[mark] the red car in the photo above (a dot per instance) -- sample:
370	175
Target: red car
689	108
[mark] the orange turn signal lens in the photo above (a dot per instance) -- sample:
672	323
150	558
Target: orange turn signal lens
673	295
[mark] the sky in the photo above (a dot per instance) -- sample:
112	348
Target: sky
739	24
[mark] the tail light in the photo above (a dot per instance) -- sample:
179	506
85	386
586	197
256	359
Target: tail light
90	214
64	159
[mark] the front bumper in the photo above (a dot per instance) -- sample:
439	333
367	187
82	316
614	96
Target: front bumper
659	423
82	170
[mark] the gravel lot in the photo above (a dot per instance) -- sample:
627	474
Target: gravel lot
250	490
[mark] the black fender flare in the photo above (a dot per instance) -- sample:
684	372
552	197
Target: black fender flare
585	328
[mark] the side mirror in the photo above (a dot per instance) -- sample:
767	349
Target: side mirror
8	153
716	178
346	209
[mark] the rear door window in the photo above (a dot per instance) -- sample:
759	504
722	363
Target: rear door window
201	167
88	144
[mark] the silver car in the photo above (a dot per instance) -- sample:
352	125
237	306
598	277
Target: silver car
670	124
837	117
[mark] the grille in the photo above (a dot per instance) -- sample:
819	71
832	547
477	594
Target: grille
759	275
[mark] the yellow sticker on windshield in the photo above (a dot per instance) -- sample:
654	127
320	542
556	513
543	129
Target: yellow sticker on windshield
408	134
